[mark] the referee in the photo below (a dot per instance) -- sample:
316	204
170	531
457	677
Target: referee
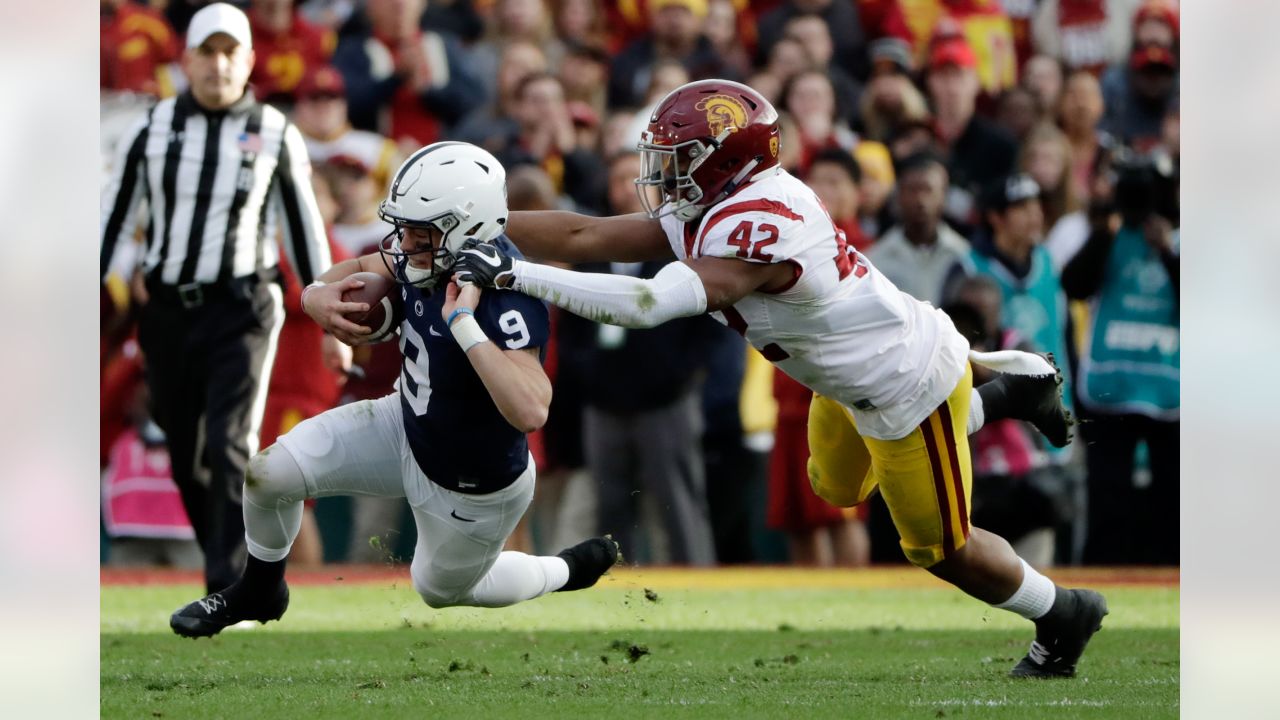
220	173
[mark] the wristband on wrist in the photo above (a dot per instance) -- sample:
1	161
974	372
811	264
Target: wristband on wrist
314	284
466	331
456	312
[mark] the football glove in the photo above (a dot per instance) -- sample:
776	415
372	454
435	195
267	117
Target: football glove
485	266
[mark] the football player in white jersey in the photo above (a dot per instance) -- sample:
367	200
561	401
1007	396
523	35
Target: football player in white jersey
891	374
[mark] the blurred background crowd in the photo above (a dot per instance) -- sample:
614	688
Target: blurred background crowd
1014	162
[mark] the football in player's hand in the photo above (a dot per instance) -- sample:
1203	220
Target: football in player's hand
379	292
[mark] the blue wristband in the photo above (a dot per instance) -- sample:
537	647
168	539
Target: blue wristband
456	312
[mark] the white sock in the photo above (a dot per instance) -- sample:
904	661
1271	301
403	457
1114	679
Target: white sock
1034	596
977	415
517	577
269	532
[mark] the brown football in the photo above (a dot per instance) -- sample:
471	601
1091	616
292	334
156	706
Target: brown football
380	292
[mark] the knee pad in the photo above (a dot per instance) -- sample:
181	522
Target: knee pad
273	475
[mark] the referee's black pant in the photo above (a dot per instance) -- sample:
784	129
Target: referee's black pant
208	352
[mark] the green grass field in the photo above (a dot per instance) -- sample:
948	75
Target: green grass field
726	644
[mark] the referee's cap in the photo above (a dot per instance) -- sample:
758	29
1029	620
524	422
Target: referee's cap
219	18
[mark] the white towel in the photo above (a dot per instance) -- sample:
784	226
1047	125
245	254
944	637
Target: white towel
1014	362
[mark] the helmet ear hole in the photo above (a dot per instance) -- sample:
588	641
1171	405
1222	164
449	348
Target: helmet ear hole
474	229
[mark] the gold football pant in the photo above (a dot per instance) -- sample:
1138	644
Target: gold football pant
925	477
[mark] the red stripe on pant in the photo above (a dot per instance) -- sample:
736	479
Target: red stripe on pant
939	486
949	435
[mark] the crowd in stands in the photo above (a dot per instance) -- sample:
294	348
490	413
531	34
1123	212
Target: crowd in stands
1014	162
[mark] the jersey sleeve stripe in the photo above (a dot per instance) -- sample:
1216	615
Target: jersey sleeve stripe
772	207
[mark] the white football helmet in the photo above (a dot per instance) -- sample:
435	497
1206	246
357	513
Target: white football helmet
454	187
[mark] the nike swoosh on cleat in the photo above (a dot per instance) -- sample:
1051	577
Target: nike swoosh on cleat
454	514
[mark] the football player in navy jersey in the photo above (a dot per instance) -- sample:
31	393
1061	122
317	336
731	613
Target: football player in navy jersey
451	440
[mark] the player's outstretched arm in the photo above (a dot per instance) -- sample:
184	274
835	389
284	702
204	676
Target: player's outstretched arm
514	378
570	237
680	289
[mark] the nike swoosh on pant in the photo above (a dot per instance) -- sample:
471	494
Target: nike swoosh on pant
454	514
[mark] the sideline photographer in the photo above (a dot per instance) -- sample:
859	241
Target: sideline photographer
1129	374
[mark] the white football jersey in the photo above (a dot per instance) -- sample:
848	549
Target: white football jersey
840	327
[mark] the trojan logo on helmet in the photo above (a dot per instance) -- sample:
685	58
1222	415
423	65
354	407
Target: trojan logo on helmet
705	140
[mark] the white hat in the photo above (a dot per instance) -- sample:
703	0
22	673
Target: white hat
219	18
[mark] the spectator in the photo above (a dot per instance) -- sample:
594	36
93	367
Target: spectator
1129	373
676	35
787	58
814	35
847	32
1084	34
321	115
142	511
810	99
511	21
874	211
1138	97
891	98
546	137
790	149
137	49
1046	157
458	18
977	151
921	253
490	125
1079	114
722	32
1012	254
580	23
834	175
987	30
1018	110
818	534
287	46
643	436
584	74
408	84
1043	76
912	137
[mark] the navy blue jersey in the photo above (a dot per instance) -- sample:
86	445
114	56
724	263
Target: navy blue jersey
455	431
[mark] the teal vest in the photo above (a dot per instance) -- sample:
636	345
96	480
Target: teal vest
1134	356
1035	306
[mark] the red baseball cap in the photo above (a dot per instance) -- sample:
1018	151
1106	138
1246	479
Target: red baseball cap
952	51
1153	56
323	80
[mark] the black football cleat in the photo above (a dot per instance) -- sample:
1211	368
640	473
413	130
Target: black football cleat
1038	400
588	560
208	616
1062	635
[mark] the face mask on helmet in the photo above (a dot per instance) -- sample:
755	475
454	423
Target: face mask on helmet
433	243
666	185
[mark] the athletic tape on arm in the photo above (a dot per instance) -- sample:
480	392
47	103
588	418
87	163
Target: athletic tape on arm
676	291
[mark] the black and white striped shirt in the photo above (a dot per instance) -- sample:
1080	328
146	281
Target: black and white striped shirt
217	185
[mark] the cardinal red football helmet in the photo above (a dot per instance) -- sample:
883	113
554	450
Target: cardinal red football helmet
704	140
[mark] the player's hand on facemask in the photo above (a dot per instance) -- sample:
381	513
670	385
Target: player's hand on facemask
484	265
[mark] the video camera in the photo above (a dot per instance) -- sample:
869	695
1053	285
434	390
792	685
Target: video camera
1145	184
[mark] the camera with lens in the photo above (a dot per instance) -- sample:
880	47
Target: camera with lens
1146	184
